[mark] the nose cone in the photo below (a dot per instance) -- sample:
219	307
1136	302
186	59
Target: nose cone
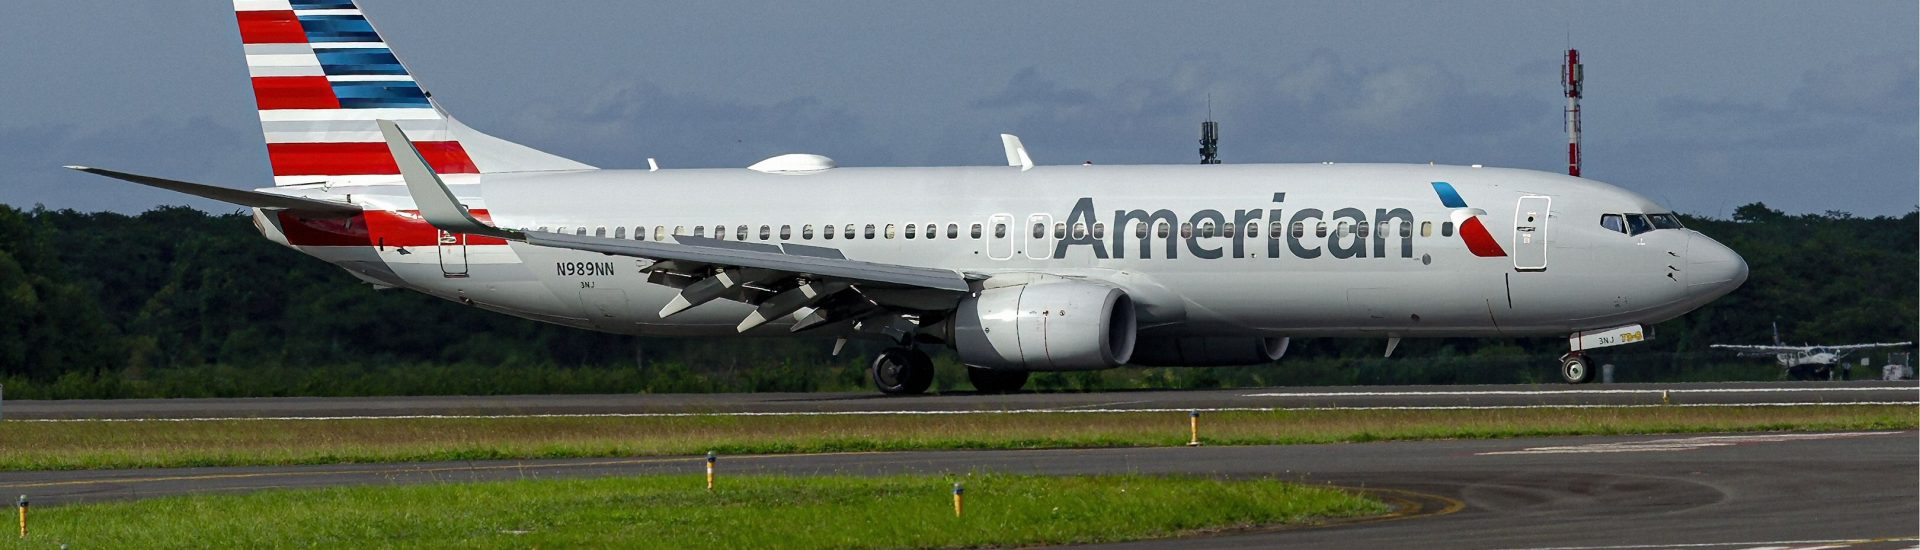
1713	270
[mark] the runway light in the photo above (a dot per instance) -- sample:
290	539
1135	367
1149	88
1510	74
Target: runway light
957	492
1193	426
23	516
711	459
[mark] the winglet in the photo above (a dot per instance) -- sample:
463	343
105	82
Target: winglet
430	195
1016	152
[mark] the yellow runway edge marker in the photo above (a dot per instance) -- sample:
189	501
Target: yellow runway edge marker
957	491
710	460
1193	422
23	516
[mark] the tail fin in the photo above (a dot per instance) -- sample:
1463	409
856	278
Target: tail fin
322	75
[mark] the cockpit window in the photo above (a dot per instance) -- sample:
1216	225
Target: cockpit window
1637	224
1613	222
1665	221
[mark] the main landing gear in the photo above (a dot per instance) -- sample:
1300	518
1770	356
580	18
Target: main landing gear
902	371
996	381
1575	369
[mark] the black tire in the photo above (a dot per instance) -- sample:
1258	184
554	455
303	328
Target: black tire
1575	369
902	371
996	381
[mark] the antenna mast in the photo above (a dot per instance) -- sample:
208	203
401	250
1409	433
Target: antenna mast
1209	137
1570	77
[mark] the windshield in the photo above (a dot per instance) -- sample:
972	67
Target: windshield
1637	224
1665	221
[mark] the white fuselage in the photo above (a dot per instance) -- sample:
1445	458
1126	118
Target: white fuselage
1558	274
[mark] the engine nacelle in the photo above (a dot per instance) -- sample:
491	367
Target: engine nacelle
1208	351
1046	325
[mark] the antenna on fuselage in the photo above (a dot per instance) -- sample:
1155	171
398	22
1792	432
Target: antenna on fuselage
1209	137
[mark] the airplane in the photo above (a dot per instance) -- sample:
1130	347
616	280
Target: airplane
1805	362
1018	269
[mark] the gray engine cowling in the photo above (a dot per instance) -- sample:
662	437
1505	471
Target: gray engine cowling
1046	325
1208	351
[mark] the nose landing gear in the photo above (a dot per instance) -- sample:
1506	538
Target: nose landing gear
1575	369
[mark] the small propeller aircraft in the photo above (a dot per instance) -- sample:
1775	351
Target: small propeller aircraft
1806	362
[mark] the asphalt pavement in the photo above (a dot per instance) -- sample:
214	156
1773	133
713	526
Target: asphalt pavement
1487	396
1766	490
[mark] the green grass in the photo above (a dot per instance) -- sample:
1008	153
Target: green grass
676	512
92	444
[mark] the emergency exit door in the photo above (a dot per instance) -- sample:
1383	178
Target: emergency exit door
1530	233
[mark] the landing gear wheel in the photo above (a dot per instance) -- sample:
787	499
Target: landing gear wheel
996	381
1575	369
902	371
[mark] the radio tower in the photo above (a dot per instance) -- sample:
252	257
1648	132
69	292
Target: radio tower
1570	75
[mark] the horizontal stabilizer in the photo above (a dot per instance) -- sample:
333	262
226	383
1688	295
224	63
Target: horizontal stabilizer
256	199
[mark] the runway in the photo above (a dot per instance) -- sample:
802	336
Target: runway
1854	489
1354	397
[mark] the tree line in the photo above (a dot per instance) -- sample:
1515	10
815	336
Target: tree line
178	302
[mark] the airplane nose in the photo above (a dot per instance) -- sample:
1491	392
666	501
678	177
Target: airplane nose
1713	270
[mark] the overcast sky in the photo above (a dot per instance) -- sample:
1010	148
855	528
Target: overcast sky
1704	106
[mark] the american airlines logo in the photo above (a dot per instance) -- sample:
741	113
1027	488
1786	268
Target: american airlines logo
1305	233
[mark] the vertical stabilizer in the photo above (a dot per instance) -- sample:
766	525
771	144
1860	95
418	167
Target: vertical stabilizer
322	75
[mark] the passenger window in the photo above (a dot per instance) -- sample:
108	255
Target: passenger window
910	231
1426	229
1140	230
1164	229
1079	231
1253	230
1320	229
890	231
542	229
1227	230
999	231
1206	229
582	231
1446	229
1299	229
1361	229
1099	231
870	231
766	232
659	232
1186	230
1613	222
620	232
933	230
1039	231
1060	230
786	232
1342	229
1637	224
1276	230
850	230
698	231
953	231
639	232
1406	228
974	230
806	232
826	232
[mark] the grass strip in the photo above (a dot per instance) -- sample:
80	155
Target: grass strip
100	445
677	512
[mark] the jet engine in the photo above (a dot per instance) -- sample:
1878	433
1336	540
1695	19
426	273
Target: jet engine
1045	325
1207	351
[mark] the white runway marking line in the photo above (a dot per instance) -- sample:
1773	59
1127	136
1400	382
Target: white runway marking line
945	413
1459	393
1680	444
1838	543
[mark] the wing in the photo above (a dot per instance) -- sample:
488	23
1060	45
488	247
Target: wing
1851	347
307	207
819	284
1762	349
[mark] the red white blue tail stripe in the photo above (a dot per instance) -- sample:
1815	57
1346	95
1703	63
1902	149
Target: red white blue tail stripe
322	76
